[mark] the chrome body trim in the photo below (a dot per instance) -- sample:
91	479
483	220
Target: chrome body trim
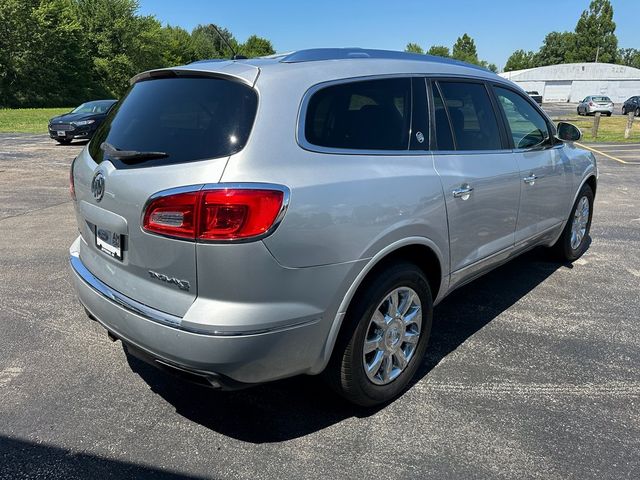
158	316
120	299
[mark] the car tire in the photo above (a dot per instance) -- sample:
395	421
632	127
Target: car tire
66	141
578	109
575	237
608	114
624	111
637	114
392	313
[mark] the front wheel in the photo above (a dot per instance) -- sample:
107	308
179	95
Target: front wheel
637	114
384	337
624	111
575	237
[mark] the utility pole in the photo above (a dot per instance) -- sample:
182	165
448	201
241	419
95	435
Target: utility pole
597	53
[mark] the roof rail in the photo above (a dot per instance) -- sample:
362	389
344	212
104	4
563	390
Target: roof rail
318	54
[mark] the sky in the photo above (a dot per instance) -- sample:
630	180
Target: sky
498	26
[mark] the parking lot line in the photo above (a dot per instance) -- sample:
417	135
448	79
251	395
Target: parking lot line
603	154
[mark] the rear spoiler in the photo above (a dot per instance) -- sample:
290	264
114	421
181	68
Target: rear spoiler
228	70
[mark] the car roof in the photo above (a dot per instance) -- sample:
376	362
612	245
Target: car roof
319	64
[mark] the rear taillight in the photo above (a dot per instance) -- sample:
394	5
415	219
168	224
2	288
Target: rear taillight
591	104
214	214
72	183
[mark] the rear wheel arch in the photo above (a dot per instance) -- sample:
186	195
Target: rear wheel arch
419	251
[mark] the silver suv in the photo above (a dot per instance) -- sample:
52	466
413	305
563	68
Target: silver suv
245	221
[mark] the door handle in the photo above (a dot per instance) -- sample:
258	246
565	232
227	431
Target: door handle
531	179
463	192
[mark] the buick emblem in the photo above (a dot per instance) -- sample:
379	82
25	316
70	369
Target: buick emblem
97	186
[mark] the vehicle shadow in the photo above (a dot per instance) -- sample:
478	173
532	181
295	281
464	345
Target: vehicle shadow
299	406
26	459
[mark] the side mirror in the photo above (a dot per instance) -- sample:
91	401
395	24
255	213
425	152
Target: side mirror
568	132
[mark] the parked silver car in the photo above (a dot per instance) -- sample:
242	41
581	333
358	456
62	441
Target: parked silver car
244	221
594	104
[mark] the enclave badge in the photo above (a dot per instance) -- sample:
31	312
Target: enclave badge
181	284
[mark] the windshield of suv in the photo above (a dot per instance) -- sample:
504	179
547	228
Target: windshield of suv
185	118
100	106
601	99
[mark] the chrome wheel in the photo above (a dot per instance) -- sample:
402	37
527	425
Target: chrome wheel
392	335
580	221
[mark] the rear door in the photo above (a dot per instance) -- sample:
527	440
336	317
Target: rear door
186	127
544	169
480	177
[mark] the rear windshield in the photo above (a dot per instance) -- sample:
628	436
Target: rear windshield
185	118
601	99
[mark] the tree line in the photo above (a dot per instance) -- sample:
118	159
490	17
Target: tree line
464	49
593	39
64	52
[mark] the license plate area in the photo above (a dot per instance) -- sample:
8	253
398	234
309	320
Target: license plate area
109	242
62	133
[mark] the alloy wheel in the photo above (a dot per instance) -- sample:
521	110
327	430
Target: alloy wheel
580	221
392	336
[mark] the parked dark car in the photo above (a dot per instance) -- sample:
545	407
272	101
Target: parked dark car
632	105
535	96
81	122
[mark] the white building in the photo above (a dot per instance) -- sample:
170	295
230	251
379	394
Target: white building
571	82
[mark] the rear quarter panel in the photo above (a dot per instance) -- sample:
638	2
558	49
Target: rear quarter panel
343	207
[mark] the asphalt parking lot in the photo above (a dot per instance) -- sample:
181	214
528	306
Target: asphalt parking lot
533	370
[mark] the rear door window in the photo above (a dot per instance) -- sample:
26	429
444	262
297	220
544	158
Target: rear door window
187	118
527	126
363	115
444	137
472	117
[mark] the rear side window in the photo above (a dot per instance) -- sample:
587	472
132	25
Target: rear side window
528	128
365	115
472	117
187	118
444	137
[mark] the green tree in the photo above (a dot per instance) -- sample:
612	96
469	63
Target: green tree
413	48
558	47
439	51
120	43
465	49
519	60
595	34
492	67
629	57
40	62
207	43
256	47
178	46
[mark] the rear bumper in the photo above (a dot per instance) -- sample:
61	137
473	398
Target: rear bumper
225	359
596	109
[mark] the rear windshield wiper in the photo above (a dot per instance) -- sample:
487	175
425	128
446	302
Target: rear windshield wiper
130	154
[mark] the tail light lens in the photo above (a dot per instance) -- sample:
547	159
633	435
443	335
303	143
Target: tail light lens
214	214
72	183
591	104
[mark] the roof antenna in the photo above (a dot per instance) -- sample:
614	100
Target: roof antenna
228	44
